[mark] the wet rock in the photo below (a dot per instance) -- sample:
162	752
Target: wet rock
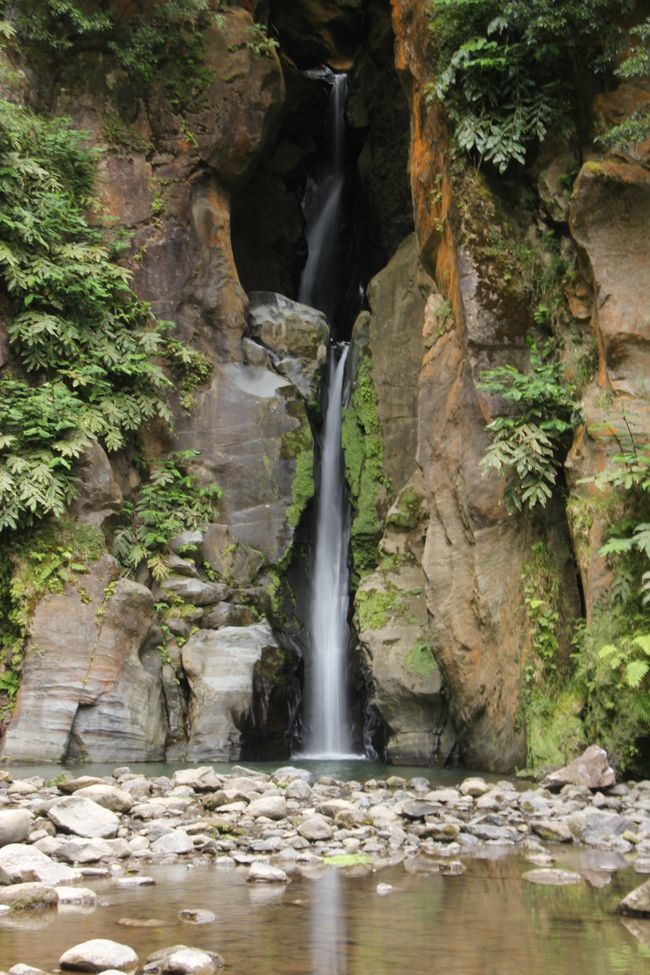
181	960
553	830
72	897
20	864
84	817
139	880
265	873
474	787
29	896
637	902
15	825
418	809
97	955
591	771
552	878
196	916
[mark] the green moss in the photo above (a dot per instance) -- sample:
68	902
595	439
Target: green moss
375	607
298	445
347	859
363	450
555	733
420	660
406	511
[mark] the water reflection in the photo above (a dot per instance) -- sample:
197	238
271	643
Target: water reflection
327	926
486	922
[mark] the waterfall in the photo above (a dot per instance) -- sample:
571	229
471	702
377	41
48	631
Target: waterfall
326	677
327	717
320	283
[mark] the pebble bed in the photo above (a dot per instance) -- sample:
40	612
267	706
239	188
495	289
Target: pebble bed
56	836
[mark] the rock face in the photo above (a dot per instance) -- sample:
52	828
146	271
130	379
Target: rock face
84	690
219	666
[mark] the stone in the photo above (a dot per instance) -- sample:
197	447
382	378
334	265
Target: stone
272	807
175	842
220	666
473	787
267	431
315	828
637	902
15	825
29	896
84	690
20	864
117	800
138	880
418	808
552	878
83	817
265	873
196	916
591	771
72	897
194	591
202	779
79	850
97	955
181	960
552	830
99	496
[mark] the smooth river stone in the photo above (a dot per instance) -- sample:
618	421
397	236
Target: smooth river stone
97	955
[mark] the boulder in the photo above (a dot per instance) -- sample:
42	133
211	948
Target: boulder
20	863
202	779
265	873
75	849
252	430
177	841
181	960
117	800
271	807
84	691
315	828
83	817
29	896
15	825
637	902
591	771
97	956
220	665
76	897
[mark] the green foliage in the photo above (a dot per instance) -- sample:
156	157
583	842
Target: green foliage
541	597
635	129
259	42
170	502
528	447
164	39
298	445
76	329
507	68
364	452
554	730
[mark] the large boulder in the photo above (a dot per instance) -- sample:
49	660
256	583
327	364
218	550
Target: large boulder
20	863
83	817
99	955
15	825
84	691
252	429
220	667
590	771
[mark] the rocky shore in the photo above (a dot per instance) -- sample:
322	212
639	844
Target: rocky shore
57	837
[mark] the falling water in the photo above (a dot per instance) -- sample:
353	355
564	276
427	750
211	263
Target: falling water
319	284
326	680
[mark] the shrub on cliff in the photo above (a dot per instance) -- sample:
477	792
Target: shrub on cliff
509	69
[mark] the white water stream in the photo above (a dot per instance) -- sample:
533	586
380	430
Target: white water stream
327	713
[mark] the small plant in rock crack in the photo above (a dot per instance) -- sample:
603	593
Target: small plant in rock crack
530	439
170	502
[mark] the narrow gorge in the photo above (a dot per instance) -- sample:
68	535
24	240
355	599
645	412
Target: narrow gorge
209	563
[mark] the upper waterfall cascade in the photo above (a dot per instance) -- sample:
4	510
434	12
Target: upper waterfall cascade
327	712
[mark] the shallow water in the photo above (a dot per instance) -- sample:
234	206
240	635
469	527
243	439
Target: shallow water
486	922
